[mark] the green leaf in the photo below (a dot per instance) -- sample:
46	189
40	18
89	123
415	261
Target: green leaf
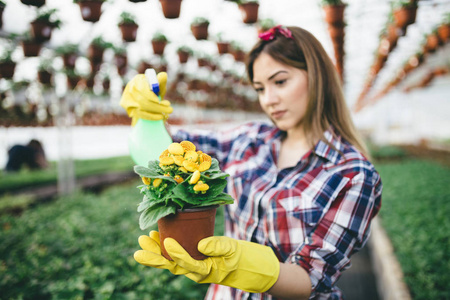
149	202
152	214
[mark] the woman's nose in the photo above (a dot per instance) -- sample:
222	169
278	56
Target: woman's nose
270	96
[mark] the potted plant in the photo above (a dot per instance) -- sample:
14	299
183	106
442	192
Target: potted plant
404	12
7	64
45	71
44	23
37	3
431	41
69	53
159	42
237	51
223	47
128	26
265	24
199	28
444	29
181	193
2	8
334	11
121	59
183	53
73	78
31	47
171	8
91	10
97	47
249	10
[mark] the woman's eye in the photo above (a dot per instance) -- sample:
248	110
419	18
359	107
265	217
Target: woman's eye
259	90
280	82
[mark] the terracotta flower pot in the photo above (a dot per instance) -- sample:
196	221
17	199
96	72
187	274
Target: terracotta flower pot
96	53
158	47
171	8
7	70
31	48
91	10
129	31
223	47
432	43
37	3
183	56
200	31
444	32
405	16
334	14
249	12
69	60
44	77
188	227
238	55
41	31
337	32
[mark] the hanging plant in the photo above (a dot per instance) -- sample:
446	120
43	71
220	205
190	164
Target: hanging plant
45	71
97	47
223	47
44	23
171	8
199	28
37	3
30	46
91	10
159	42
265	24
183	53
404	12
128	26
249	10
7	64
334	11
69	53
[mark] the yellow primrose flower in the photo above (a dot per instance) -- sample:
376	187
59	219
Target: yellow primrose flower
187	146
201	187
146	180
178	159
195	177
175	149
183	169
178	179
204	166
191	155
157	182
165	153
190	166
206	157
166	161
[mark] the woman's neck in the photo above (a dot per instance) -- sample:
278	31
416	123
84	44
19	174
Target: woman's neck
293	147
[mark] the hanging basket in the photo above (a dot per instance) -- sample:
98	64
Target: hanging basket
158	47
223	47
200	31
31	48
405	16
129	31
91	10
249	12
41	30
334	14
7	70
171	8
37	3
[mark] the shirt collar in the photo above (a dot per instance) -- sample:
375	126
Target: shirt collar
331	151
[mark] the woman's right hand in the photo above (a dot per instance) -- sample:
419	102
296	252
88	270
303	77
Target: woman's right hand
140	102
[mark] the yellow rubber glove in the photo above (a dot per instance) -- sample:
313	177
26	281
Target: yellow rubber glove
151	256
141	103
240	264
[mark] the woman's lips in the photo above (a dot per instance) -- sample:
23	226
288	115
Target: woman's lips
278	114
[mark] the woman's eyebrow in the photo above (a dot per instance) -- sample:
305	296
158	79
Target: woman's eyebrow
272	76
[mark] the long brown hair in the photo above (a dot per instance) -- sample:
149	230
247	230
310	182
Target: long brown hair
326	103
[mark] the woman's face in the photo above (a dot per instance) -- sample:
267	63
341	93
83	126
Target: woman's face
282	91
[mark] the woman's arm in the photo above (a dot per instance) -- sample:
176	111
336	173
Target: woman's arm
293	283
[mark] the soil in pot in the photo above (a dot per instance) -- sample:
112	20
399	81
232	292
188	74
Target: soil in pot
188	227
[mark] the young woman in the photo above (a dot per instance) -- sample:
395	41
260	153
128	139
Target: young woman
304	191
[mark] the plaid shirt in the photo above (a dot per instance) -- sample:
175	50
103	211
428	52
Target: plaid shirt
315	214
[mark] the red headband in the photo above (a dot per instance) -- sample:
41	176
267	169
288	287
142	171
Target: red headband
271	33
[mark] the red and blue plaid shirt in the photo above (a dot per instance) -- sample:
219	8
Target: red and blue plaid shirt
315	214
